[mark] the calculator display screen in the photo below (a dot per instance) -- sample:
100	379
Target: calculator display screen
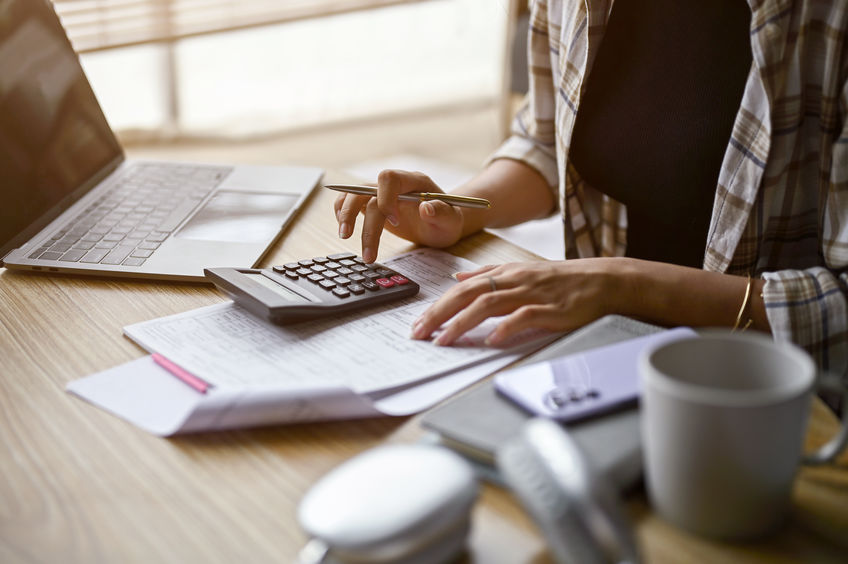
279	289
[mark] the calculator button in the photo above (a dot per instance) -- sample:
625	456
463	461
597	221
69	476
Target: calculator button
360	260
330	274
371	275
368	285
291	274
303	271
333	265
305	262
345	271
356	277
278	268
340	256
318	268
346	262
399	280
327	284
385	272
384	282
315	278
356	289
341	280
320	260
291	266
341	292
358	268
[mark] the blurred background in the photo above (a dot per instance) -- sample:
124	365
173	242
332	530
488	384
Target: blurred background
168	70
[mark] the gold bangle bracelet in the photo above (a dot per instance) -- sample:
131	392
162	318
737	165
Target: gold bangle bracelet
744	308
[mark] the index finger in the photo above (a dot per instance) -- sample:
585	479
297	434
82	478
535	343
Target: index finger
452	302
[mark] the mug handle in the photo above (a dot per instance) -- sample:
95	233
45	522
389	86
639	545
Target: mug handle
832	383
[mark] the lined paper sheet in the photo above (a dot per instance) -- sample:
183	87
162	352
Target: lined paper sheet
367	352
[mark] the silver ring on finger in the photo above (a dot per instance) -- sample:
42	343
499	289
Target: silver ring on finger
493	287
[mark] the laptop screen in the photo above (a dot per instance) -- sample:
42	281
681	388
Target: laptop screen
54	139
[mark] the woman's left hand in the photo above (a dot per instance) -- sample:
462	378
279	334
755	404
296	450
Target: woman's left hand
557	296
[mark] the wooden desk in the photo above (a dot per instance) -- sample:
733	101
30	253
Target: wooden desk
79	485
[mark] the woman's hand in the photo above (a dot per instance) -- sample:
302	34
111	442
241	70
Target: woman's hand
558	296
565	295
433	223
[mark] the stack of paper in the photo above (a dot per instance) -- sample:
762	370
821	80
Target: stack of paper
359	365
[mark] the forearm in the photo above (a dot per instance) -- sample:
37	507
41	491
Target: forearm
516	191
674	295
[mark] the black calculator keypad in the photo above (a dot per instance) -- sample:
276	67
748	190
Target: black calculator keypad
343	274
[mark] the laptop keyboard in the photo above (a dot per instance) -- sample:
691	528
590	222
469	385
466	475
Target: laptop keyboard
129	221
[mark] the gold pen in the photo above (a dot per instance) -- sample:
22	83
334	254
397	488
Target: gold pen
452	199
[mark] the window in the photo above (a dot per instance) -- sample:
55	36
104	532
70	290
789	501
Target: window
200	67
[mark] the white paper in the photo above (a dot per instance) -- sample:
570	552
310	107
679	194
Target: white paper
148	396
142	392
365	352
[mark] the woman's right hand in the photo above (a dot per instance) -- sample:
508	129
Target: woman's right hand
432	223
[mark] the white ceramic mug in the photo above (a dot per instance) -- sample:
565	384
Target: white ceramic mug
723	422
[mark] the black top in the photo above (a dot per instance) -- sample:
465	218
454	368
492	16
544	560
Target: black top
657	114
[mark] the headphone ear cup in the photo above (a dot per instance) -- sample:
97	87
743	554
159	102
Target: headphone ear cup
573	504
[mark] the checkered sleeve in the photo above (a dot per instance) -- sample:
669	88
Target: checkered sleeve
533	139
810	307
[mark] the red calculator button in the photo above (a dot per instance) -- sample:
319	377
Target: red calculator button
399	280
384	282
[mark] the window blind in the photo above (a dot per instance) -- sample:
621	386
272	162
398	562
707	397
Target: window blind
96	25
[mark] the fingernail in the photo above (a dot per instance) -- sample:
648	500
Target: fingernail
418	330
429	209
492	339
344	231
393	220
441	340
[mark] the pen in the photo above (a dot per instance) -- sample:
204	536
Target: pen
454	200
182	375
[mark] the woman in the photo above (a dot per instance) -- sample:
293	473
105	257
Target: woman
665	219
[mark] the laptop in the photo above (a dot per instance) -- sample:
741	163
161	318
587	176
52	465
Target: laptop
71	202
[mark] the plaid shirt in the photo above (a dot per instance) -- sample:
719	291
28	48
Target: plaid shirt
781	204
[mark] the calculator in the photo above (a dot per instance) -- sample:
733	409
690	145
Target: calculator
313	287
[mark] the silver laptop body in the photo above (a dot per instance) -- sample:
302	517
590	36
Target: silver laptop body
71	202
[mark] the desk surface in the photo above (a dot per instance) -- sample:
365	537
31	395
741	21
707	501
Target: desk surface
82	486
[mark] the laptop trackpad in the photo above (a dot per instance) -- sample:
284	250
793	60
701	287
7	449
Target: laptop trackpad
249	217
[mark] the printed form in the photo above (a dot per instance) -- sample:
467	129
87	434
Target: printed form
367	352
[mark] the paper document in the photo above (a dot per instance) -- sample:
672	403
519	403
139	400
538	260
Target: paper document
357	365
366	351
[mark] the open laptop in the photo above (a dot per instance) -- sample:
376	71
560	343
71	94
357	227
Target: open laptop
71	202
